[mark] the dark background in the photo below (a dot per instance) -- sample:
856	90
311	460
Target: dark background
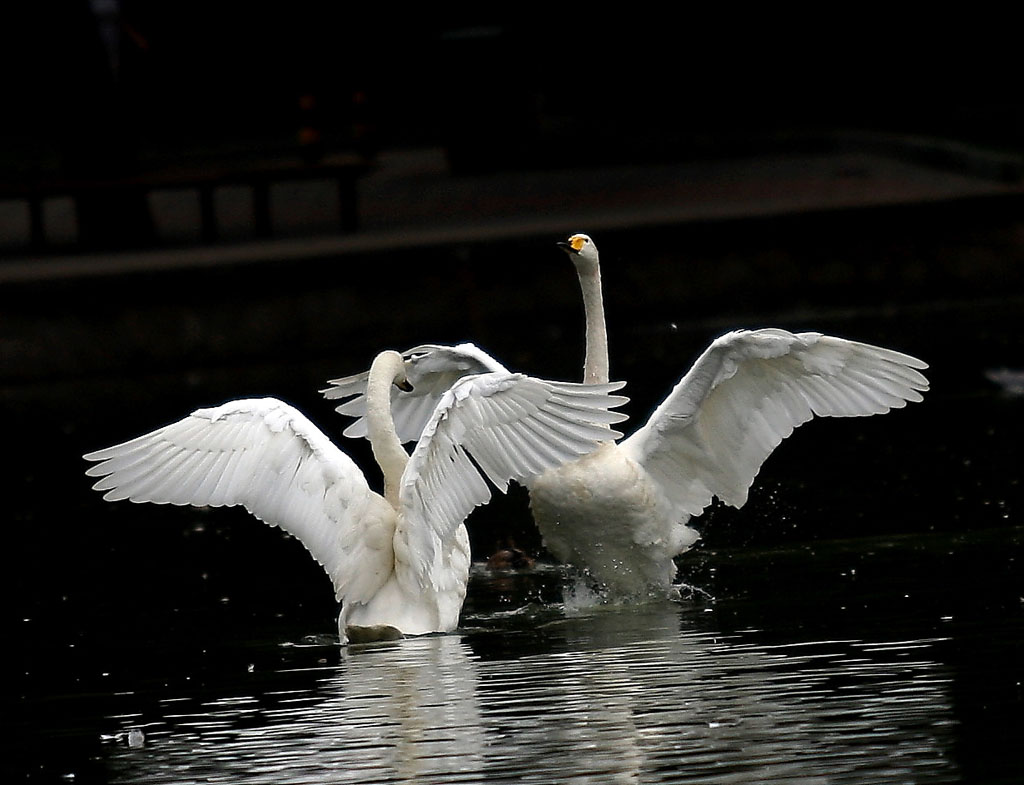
495	87
111	334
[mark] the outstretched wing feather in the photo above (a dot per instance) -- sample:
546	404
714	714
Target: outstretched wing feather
265	456
501	426
747	392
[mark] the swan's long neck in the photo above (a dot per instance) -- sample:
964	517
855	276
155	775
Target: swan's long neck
380	425
595	364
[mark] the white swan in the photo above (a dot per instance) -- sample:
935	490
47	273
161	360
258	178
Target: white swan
621	512
399	562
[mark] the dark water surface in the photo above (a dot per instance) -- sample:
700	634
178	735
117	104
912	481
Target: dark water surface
867	622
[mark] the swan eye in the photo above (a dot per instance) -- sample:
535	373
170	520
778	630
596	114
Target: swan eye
404	385
577	241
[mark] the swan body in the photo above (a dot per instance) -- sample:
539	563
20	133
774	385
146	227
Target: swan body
399	561
621	512
605	513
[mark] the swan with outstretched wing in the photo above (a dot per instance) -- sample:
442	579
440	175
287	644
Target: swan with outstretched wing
621	512
399	562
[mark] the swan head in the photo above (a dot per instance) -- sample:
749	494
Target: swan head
582	251
391	364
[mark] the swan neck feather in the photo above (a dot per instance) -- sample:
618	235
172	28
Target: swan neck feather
595	365
387	368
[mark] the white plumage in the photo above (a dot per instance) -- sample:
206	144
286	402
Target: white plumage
621	512
399	562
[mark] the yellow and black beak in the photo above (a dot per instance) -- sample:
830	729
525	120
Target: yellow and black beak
574	244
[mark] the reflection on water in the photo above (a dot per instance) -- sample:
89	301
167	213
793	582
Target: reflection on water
404	711
617	695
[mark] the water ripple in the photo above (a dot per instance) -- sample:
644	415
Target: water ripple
627	696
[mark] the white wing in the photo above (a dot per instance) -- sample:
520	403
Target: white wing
747	393
266	456
503	426
431	370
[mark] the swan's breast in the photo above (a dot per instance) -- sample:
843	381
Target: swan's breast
604	513
403	603
599	485
602	495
